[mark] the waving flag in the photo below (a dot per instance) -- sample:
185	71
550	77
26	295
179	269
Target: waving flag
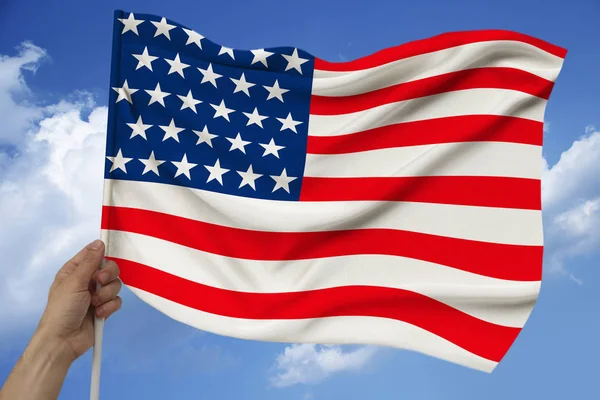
392	200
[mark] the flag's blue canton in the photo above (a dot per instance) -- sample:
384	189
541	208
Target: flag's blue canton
130	137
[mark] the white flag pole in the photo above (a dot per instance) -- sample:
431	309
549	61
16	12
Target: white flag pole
97	353
96	359
99	322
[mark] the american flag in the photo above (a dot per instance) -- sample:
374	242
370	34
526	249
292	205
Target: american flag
392	200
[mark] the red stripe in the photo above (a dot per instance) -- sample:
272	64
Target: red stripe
489	78
436	43
512	262
485	339
482	191
464	128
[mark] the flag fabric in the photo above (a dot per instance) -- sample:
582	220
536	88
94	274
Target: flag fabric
393	200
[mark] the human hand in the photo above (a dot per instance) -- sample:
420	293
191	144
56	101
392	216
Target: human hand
69	315
66	329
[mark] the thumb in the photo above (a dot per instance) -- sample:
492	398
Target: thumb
92	260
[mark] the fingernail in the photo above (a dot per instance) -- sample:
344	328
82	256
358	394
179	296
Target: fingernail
95	245
103	276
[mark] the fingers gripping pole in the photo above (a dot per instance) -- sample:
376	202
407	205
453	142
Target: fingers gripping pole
97	353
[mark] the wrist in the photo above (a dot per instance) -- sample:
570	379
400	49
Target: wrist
48	348
41	370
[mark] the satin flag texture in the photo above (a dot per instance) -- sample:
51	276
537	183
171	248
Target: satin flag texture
393	200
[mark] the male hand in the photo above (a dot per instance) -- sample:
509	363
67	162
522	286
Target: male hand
69	315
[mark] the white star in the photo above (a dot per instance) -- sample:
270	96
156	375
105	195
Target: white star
151	164
139	128
189	102
144	59
260	55
208	75
131	24
171	131
204	136
288	123
163	28
125	92
241	85
282	181
157	96
238	143
227	50
118	162
222	111
275	91
193	37
294	61
248	178
216	172
176	66
255	118
271	148
183	167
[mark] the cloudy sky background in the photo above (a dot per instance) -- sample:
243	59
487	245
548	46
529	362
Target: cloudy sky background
54	70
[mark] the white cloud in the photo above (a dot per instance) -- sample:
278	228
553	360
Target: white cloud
590	129
576	280
581	220
50	186
576	175
309	363
572	233
546	127
571	202
17	113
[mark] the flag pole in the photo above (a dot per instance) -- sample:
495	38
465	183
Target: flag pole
97	352
99	322
96	358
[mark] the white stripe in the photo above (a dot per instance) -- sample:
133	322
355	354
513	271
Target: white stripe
463	102
508	54
338	330
498	225
498	301
446	159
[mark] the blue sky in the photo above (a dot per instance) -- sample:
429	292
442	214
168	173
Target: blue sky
54	74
